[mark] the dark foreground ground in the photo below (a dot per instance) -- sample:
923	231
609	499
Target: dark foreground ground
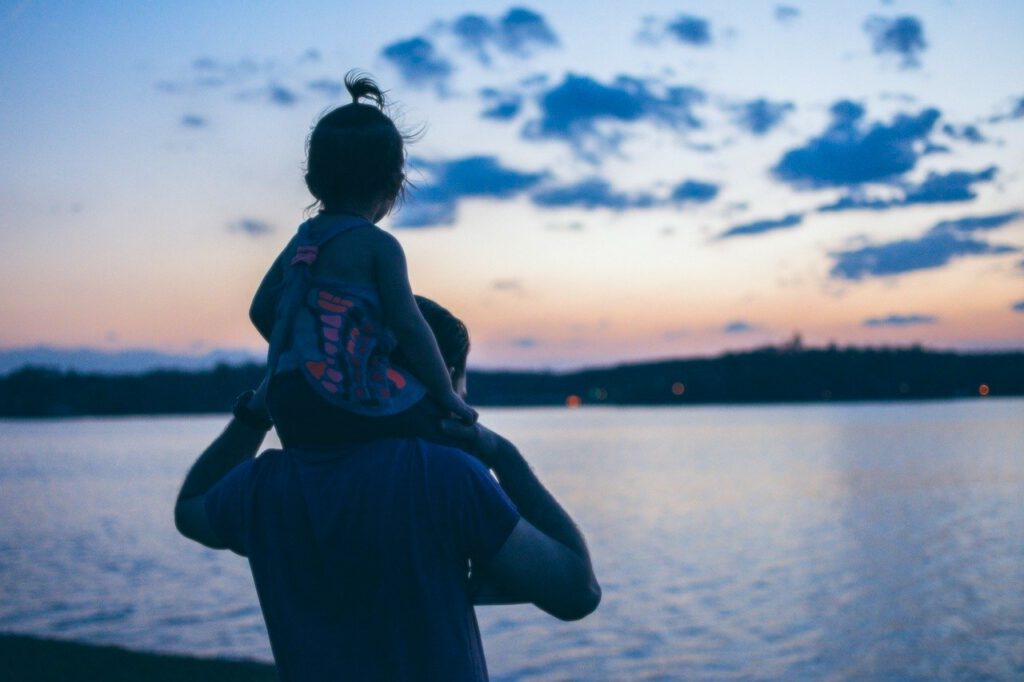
27	659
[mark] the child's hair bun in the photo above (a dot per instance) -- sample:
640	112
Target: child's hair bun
361	86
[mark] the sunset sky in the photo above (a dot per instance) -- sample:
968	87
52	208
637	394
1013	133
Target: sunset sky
596	182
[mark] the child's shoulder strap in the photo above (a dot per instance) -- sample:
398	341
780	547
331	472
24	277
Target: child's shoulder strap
316	232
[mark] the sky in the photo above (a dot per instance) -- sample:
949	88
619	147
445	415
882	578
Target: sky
594	182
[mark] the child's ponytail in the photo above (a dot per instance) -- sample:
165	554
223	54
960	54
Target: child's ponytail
360	85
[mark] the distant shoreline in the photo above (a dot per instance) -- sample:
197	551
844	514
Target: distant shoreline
33	659
784	375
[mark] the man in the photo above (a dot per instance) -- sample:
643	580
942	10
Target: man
360	555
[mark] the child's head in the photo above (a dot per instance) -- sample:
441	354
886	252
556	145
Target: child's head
355	153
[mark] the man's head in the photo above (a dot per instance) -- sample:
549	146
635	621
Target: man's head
452	338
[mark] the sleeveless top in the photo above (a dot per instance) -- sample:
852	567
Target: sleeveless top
333	332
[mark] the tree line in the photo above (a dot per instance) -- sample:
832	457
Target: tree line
763	375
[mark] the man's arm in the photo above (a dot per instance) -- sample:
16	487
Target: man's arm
239	441
545	559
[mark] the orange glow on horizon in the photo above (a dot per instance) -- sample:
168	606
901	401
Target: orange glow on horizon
573	401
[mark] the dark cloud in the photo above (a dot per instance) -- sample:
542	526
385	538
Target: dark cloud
572	110
978	223
949	187
945	241
436	201
759	116
762	226
902	36
417	61
690	30
738	327
519	32
502	105
850	154
281	95
327	86
521	29
591	193
193	121
937	188
895	320
968	133
524	342
1018	306
785	13
251	227
695	191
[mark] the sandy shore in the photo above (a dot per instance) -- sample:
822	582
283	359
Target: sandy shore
28	659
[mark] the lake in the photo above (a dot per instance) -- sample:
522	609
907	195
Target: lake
827	541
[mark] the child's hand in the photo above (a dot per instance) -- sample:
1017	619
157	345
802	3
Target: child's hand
458	407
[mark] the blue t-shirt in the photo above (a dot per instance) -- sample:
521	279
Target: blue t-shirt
360	556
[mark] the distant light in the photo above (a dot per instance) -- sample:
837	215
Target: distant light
573	401
598	393
983	389
678	388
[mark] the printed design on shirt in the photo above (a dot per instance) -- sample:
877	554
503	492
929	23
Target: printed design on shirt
355	364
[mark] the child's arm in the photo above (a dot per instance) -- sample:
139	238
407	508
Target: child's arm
263	310
411	331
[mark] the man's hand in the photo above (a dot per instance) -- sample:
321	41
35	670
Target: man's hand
477	440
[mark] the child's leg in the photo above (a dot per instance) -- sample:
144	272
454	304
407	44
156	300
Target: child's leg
303	419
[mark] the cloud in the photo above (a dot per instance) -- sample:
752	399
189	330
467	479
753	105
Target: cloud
521	29
785	14
1016	112
762	226
417	61
976	223
327	86
591	193
524	342
1018	306
968	133
501	105
436	201
903	36
848	154
507	285
759	116
573	110
738	327
251	227
281	95
937	188
690	30
895	320
695	191
945	241
519	32
193	121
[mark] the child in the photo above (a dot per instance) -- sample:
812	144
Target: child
336	305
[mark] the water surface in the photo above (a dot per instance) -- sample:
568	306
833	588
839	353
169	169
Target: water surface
864	541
